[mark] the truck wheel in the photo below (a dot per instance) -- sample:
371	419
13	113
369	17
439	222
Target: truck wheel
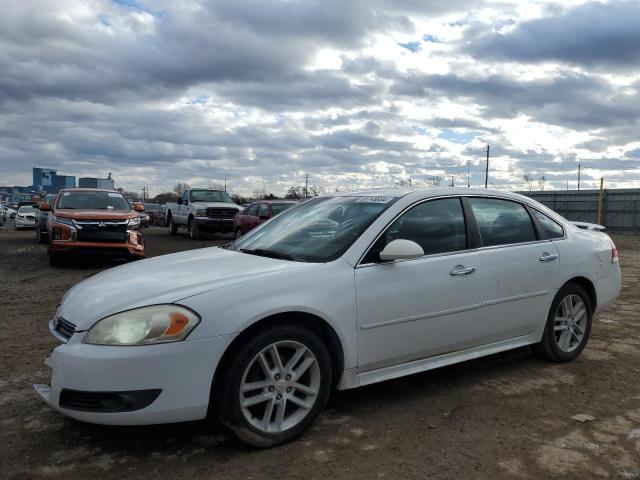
194	230
279	383
173	228
237	234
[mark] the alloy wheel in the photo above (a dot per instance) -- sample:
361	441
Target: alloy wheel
280	386
570	323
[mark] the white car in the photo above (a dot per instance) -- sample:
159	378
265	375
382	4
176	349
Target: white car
337	292
26	217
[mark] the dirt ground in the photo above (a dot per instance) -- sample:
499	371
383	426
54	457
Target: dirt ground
505	416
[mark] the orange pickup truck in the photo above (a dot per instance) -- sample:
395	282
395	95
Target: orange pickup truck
86	220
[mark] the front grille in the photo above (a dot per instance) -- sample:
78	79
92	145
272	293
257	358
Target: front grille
64	327
98	236
108	231
221	213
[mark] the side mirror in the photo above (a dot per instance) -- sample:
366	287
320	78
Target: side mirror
138	208
401	250
45	207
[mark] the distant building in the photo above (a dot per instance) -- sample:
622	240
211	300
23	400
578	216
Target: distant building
43	178
17	194
90	182
60	182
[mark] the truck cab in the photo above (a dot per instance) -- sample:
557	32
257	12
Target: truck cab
202	211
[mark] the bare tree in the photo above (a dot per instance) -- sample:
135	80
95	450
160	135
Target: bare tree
180	187
314	190
529	180
542	182
294	193
433	181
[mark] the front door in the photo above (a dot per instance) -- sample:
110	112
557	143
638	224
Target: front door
418	308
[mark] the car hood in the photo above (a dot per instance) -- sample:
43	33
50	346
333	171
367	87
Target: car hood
95	214
215	205
164	279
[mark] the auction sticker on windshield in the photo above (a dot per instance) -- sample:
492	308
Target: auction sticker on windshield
374	200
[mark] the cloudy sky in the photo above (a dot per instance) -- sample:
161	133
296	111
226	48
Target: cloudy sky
355	93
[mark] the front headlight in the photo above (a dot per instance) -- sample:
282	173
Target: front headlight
144	326
134	222
201	212
63	220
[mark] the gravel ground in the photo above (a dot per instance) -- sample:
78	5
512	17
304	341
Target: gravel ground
505	416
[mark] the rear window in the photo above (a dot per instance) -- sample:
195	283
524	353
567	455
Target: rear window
280	207
84	200
553	228
502	222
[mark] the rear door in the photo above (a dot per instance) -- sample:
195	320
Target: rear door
248	220
519	266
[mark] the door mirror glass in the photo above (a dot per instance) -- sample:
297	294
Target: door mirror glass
401	250
179	201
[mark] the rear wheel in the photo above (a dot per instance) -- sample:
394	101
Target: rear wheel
275	385
173	228
568	325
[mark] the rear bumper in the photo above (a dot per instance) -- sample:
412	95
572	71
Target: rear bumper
173	380
608	288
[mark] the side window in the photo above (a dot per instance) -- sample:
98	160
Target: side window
502	222
263	211
553	228
436	225
252	210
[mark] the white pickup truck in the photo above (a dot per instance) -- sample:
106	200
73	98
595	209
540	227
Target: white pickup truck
202	211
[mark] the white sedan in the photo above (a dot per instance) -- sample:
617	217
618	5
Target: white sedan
26	217
337	292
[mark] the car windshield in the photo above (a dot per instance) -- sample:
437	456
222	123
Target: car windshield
210	196
319	230
87	200
280	207
27	209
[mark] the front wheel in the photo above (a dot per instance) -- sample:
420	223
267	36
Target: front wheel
194	230
275	385
173	228
568	325
237	234
55	259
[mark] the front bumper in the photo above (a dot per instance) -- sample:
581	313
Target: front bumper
183	371
135	246
22	223
207	224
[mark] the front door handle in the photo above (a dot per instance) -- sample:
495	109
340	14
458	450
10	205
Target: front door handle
548	257
462	270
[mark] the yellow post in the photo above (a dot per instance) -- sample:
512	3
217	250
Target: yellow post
600	201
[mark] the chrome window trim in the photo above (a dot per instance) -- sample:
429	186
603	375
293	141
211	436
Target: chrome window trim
359	264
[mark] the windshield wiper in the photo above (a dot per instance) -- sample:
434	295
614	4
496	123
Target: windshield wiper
267	253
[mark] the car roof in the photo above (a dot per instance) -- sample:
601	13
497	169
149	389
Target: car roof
430	192
89	190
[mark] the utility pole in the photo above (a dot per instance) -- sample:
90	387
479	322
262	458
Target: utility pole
579	165
486	175
600	200
225	184
452	184
468	173
306	185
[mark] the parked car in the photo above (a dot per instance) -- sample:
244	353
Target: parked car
26	217
9	213
86	220
202	211
41	218
256	213
154	211
341	291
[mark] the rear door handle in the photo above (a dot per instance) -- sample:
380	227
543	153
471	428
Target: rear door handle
461	270
547	257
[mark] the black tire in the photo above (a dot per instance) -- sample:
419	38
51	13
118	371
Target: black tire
237	234
41	237
173	228
55	259
194	230
226	389
548	348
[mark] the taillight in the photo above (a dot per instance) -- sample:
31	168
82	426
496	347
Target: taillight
614	252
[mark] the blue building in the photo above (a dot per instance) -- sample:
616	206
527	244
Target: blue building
89	182
62	181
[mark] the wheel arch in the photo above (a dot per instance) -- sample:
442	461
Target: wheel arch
588	287
304	319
